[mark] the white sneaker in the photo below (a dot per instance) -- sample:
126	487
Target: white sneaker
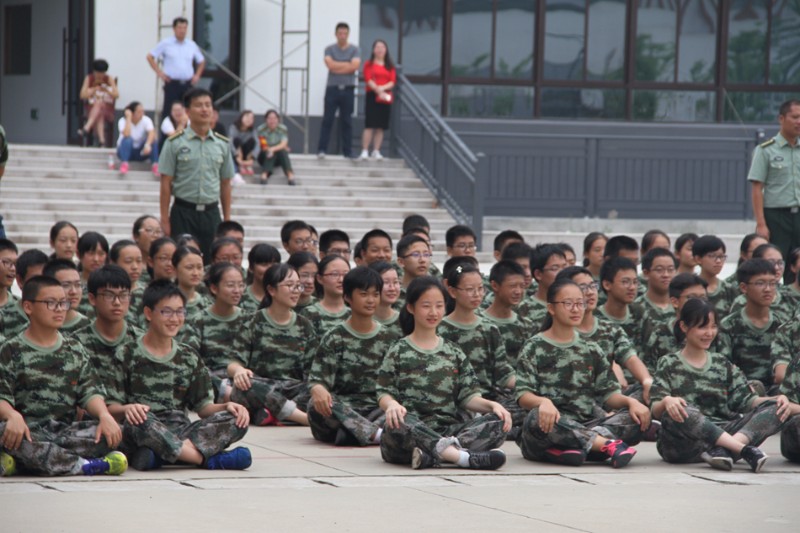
321	155
376	155
237	180
364	155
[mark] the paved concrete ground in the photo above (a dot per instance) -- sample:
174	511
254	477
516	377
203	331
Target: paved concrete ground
297	484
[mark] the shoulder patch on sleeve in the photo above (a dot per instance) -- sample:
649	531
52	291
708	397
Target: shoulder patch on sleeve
767	143
176	135
220	136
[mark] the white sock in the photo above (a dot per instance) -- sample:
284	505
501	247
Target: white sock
463	459
377	438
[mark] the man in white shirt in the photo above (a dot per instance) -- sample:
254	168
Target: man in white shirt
183	63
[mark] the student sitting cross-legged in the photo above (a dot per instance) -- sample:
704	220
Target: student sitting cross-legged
425	383
43	378
157	380
707	410
560	379
343	409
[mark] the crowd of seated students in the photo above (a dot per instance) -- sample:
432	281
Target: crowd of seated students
109	347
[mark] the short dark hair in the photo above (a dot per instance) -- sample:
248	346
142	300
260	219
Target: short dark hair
457	231
222	242
28	259
31	289
754	267
681	241
262	254
618	243
372	234
761	249
542	254
100	65
117	247
331	236
159	243
89	241
193	94
6	244
504	236
516	250
361	278
407	242
341	25
179	20
57	265
650	237
707	244
108	276
652	255
571	271
290	227
504	268
228	225
681	282
566	247
415	221
613	266
786	107
183	251
380	266
300	259
160	290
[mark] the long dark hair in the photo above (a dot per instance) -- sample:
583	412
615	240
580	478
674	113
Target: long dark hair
695	313
416	289
552	294
387	61
272	277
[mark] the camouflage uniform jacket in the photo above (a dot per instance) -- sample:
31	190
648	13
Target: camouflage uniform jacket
747	346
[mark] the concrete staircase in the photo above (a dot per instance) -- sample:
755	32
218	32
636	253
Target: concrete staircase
44	184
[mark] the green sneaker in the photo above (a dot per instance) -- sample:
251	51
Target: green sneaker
8	466
113	464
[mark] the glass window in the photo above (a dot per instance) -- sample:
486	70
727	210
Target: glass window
697	44
422	37
583	103
216	32
471	47
747	41
655	41
515	33
754	106
605	42
490	101
379	20
17	40
674	106
784	52
564	39
432	93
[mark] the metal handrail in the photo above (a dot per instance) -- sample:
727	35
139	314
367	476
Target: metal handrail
455	174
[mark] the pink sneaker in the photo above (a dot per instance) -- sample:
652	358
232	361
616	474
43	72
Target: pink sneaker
565	456
619	452
155	170
123	168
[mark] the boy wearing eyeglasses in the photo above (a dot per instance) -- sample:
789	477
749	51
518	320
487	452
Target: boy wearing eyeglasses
44	376
13	318
460	241
8	271
620	283
709	253
157	381
658	268
414	257
66	273
344	371
546	261
296	237
746	335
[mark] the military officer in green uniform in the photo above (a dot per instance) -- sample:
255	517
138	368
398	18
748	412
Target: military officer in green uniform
196	167
775	178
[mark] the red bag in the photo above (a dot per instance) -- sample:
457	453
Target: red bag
387	98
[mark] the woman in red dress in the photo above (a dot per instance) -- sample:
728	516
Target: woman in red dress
380	76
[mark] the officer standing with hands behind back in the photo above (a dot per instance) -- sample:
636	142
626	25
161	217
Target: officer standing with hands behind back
775	178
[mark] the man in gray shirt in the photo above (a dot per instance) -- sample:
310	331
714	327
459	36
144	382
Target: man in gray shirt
343	61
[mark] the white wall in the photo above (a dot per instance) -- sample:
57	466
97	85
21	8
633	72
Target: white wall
126	31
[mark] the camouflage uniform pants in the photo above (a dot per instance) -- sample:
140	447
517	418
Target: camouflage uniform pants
571	434
359	421
279	396
477	435
684	442
790	439
518	414
164	434
57	448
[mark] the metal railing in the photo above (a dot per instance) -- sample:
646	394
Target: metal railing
455	175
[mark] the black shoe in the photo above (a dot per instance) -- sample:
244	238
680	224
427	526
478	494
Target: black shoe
754	457
719	458
421	459
491	460
344	438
